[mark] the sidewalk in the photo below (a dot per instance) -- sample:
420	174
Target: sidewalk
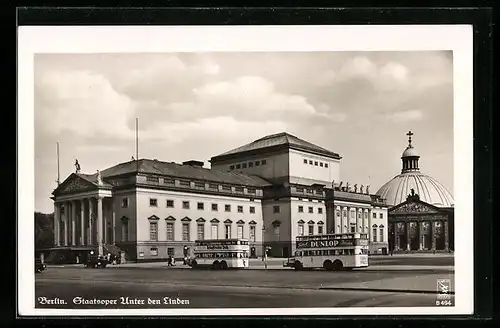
425	284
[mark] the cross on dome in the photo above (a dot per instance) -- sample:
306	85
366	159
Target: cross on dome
409	134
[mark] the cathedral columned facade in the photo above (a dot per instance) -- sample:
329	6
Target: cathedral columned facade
269	191
421	212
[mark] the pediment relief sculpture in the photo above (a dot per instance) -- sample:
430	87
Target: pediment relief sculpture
413	208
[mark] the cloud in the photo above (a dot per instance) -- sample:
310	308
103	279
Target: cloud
405	116
81	102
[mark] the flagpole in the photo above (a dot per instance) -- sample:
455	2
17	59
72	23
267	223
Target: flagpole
58	172
137	142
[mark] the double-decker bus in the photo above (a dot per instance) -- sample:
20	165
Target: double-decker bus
221	253
330	251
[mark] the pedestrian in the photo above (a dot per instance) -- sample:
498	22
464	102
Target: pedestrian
169	260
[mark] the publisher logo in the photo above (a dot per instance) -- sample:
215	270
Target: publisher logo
444	292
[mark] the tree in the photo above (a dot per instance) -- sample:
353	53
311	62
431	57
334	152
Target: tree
44	230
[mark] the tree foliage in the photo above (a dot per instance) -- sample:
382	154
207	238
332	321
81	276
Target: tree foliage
44	230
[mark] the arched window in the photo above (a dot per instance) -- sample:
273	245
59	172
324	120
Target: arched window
381	231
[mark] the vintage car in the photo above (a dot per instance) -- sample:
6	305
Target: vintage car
39	266
96	261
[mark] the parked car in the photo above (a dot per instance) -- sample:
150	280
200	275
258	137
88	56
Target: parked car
39	266
96	261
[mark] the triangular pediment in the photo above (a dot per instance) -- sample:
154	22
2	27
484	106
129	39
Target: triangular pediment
414	207
74	184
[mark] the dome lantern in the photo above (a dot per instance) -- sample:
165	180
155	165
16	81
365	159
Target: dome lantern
410	157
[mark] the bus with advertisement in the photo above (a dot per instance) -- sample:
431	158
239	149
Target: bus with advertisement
333	252
221	253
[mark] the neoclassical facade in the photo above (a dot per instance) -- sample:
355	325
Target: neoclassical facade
269	191
421	212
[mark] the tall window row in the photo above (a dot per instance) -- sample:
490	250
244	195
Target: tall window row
310	228
200	229
315	163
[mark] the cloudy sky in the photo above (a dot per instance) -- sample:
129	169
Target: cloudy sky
197	105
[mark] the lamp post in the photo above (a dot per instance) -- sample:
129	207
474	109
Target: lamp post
264	247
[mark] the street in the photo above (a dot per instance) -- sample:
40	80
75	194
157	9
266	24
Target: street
181	287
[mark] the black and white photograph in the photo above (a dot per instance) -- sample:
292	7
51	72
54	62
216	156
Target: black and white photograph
230	171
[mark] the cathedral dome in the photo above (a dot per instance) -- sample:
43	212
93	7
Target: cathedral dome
429	189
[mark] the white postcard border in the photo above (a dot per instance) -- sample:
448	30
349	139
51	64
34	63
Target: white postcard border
147	39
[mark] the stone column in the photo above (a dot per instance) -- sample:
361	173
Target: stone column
433	235
114	226
366	226
446	236
57	230
66	223
396	235
337	219
105	223
408	236
91	222
421	235
345	220
359	219
99	225
82	222
73	223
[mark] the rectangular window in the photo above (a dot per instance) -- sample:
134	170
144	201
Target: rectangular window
374	234
252	233
310	209
326	165
215	207
310	162
264	162
168	181
381	216
252	209
238	189
231	167
244	165
170	203
226	188
200	231
184	183
201	206
124	202
315	163
185	205
171	251
301	209
320	210
153	231
311	229
170	231
227	208
199	185
257	163
153	251
240	209
353	229
301	229
240	232
381	235
277	230
215	231
305	161
299	189
153	202
213	186
309	191
251	190
238	166
125	230
185	232
276	209
320	230
153	179
250	164
227	231
374	215
321	164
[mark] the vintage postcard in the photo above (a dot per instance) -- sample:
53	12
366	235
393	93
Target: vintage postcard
256	170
